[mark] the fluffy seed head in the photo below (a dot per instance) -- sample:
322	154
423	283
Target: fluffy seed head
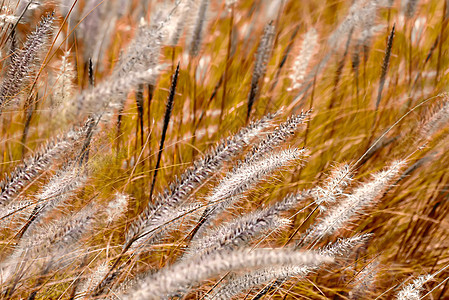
302	61
413	290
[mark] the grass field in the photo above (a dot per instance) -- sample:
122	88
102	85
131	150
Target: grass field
204	149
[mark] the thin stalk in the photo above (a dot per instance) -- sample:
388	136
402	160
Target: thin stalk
168	111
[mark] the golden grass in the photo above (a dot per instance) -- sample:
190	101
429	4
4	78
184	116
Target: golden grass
410	222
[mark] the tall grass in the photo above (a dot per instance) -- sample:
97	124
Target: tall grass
203	149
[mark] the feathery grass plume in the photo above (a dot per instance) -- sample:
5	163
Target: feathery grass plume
196	37
125	286
364	281
243	283
437	121
23	62
91	282
368	22
167	115
413	290
358	12
344	246
16	209
236	183
11	185
245	177
385	65
61	187
48	245
302	61
143	54
165	223
408	7
236	233
181	188
116	207
64	87
61	235
260	65
333	187
109	94
129	247
279	135
368	29
363	196
246	227
144	50
368	33
339	249
193	271
178	22
66	248
428	157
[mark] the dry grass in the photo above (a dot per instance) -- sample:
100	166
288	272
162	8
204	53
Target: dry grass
353	122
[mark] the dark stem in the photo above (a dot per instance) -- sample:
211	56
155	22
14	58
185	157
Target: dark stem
168	111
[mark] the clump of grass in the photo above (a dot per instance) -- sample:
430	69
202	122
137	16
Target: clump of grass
196	149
